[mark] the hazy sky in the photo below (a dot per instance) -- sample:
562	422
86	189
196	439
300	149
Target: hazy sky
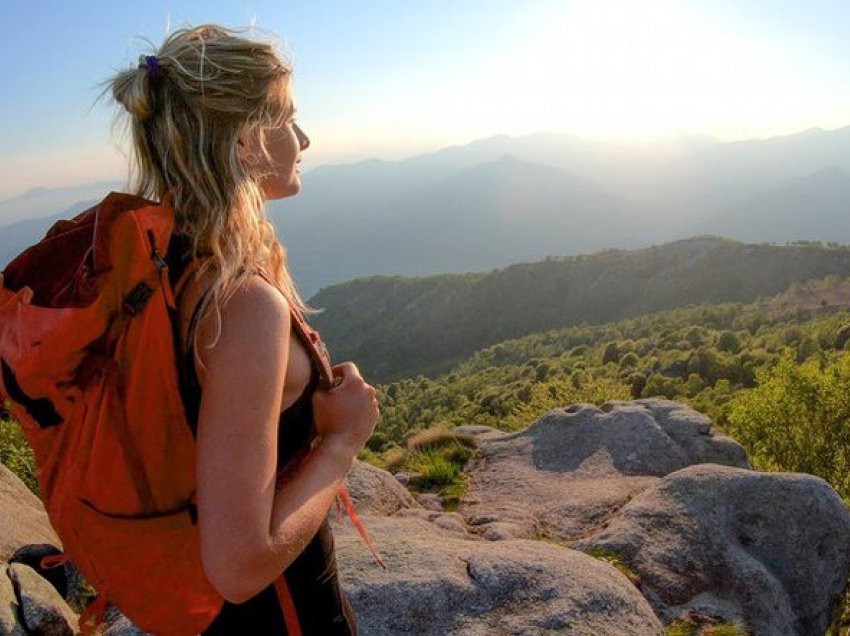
390	78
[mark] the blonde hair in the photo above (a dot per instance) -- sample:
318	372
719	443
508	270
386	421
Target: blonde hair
207	88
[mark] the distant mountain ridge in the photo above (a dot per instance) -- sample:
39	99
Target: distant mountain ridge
398	327
47	202
501	200
381	217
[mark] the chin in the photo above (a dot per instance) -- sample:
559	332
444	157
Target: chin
289	190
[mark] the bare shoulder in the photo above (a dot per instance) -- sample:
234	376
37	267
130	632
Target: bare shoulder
253	323
255	302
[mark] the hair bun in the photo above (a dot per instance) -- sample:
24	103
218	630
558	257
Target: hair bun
131	89
151	64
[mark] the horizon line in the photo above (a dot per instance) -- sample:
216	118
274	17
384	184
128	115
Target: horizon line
637	141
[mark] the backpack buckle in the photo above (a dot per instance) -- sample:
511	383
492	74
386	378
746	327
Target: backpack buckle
137	298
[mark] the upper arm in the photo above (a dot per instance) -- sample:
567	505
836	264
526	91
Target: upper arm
238	428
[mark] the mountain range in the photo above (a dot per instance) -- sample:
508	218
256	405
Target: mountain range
503	200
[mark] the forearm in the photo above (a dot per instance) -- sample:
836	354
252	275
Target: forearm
300	506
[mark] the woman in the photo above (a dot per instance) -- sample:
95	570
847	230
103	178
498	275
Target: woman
212	122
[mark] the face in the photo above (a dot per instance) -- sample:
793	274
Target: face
282	172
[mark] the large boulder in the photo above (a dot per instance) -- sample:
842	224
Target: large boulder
42	609
771	550
568	473
23	519
438	584
375	490
646	437
10	607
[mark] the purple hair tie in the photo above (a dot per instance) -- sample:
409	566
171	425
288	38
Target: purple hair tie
152	66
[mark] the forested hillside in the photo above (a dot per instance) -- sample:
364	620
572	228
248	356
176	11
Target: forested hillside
773	374
396	327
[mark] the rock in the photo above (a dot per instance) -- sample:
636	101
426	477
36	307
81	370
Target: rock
374	490
66	578
42	609
568	473
430	501
707	537
23	519
632	438
9	606
500	530
31	555
769	549
437	585
478	431
451	521
691	430
116	624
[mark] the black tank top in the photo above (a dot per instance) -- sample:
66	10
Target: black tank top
312	578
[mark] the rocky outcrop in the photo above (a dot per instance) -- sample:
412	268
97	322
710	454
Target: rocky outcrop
568	473
22	516
10	607
42	609
437	584
29	604
770	550
694	531
375	490
706	536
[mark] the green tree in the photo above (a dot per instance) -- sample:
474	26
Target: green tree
728	342
693	385
611	353
629	361
658	385
797	418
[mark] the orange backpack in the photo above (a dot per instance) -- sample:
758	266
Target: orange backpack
88	366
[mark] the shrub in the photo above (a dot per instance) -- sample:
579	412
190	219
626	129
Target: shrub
377	441
393	459
728	342
433	469
611	353
629	361
661	386
369	456
797	419
694	336
16	454
435	436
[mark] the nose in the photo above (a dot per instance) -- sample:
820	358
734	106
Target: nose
303	139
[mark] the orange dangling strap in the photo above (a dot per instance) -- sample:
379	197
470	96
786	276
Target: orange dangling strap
94	611
53	561
349	508
290	614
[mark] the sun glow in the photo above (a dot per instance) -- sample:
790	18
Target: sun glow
625	69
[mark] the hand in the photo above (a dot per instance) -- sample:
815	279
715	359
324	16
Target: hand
346	414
